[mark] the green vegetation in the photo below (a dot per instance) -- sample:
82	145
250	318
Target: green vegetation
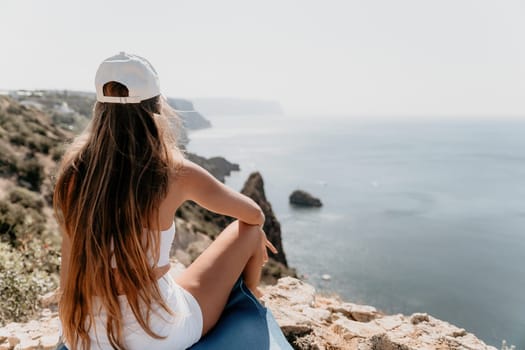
26	199
17	287
29	245
24	128
21	221
29	258
7	160
24	276
30	173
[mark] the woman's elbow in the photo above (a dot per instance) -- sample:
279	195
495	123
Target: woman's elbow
260	218
256	216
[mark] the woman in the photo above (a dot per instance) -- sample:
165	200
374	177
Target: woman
119	186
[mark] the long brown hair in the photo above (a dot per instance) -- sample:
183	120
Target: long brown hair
109	187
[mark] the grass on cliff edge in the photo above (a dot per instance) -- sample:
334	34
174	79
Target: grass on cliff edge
30	144
29	255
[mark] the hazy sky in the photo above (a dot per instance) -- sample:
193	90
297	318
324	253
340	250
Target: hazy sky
369	57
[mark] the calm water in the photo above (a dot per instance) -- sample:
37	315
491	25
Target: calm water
417	217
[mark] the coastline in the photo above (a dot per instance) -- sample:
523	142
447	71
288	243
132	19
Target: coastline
420	227
29	112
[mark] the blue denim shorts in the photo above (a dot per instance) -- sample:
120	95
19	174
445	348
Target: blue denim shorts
244	324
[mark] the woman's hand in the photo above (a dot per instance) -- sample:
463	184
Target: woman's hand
266	244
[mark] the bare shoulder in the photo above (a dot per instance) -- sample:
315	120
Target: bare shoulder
195	183
187	176
188	173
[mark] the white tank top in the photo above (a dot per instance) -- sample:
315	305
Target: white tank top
166	240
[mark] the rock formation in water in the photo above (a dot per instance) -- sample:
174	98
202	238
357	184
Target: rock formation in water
200	226
304	199
254	188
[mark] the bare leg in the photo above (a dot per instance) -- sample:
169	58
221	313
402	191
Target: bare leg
252	272
210	278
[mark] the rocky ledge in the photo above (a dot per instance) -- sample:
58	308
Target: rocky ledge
312	321
218	166
309	321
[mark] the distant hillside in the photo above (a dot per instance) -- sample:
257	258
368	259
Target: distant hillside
67	109
30	143
236	106
72	109
191	118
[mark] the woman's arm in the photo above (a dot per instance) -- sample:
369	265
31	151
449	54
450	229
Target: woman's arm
200	186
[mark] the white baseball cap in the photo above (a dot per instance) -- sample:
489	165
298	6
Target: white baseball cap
133	71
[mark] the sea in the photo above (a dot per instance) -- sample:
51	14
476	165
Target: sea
418	215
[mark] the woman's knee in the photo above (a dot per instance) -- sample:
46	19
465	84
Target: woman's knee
252	233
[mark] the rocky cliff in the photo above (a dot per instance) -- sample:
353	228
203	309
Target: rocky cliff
313	321
254	188
218	166
197	228
310	321
32	140
191	118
